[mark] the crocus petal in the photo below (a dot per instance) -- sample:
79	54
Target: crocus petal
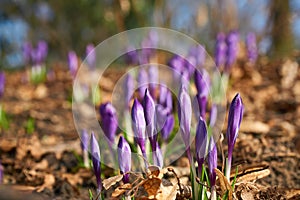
201	139
168	127
124	158
220	50
213	115
202	82
234	120
149	113
109	121
232	41
95	154
138	124
159	160
73	63
212	161
185	114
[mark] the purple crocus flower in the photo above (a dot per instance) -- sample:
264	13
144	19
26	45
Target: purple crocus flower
158	157
139	125
232	41
176	63
202	82
199	53
213	115
73	63
39	54
109	121
185	117
84	146
42	47
2	83
153	80
27	48
201	144
212	164
128	89
149	113
199	105
91	56
251	47
161	114
163	90
167	127
132	56
190	65
234	121
96	160
124	158
142	82
220	50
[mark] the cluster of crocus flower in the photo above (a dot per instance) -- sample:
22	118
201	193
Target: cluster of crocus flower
226	50
36	58
251	47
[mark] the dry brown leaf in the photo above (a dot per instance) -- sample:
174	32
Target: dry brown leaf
49	181
73	179
111	181
224	184
254	127
152	185
167	192
8	144
253	173
121	190
247	195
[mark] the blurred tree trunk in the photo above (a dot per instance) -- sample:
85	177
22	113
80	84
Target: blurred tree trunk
282	37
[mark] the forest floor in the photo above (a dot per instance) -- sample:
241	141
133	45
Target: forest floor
45	163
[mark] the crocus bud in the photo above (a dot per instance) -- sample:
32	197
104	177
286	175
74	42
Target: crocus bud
220	50
42	47
2	83
142	82
176	63
139	124
199	53
163	90
128	89
213	115
199	105
132	56
234	121
95	155
202	82
167	127
251	47
153	80
158	157
201	144
91	56
73	63
185	115
212	164
124	158
149	113
109	121
232	41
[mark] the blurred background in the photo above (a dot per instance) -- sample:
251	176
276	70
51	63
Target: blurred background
72	24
